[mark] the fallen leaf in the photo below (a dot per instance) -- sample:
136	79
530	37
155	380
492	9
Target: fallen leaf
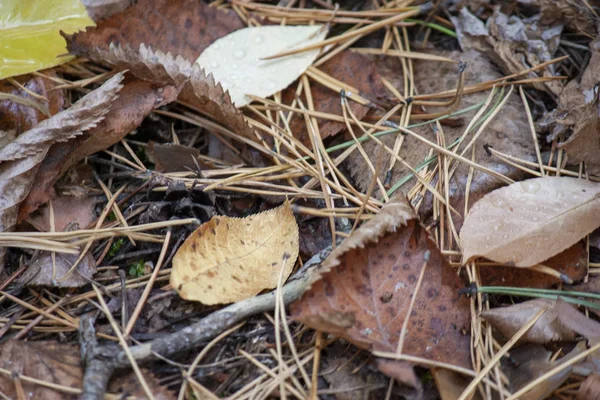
230	259
363	291
590	388
348	67
136	100
101	9
584	143
571	262
575	15
42	272
530	221
508	320
175	157
81	116
69	212
30	38
236	60
451	384
159	24
128	385
47	361
530	362
570	316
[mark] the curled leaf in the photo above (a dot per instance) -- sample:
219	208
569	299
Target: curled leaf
230	259
530	221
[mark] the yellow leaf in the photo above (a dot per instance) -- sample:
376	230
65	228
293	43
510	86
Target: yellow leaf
230	259
29	33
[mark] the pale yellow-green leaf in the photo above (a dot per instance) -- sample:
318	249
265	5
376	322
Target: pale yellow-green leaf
29	33
230	259
530	221
236	62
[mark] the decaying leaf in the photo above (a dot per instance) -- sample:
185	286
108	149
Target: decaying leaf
530	362
351	68
530	221
508	320
572	262
236	60
136	100
230	259
363	293
47	361
43	271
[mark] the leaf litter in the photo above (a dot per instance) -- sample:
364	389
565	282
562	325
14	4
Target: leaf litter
312	144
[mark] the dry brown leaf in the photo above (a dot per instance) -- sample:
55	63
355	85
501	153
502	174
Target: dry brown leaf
81	116
69	213
136	100
450	384
575	14
508	320
363	292
42	271
530	221
590	388
174	157
530	362
236	60
572	262
100	9
230	259
47	361
348	67
570	316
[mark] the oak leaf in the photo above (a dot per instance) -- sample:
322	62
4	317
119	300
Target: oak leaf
236	60
363	293
230	259
530	221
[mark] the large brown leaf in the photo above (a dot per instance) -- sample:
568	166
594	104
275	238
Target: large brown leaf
367	283
530	221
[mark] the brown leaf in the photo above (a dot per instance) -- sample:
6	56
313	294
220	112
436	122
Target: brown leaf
451	384
584	143
47	361
349	67
81	116
181	27
570	316
530	221
174	157
571	262
532	361
69	212
128	385
590	388
508	320
42	271
100	9
366	285
230	259
577	16
136	100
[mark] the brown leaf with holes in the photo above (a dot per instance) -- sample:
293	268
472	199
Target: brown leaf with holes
363	293
136	100
508	320
230	259
351	68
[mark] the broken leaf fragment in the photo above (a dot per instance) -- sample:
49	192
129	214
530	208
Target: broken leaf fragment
236	60
530	221
230	259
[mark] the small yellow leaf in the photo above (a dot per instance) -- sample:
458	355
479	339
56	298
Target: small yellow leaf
230	259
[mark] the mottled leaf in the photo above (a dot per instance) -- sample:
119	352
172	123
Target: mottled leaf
230	259
363	293
530	221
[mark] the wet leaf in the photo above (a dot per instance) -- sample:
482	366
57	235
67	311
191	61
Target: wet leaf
29	33
508	320
363	292
531	361
530	221
236	62
230	259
